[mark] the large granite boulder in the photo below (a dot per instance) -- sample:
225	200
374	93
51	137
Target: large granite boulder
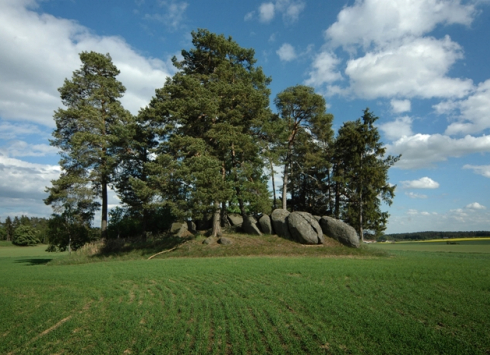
210	240
249	226
235	219
304	228
279	219
179	229
265	224
340	231
225	241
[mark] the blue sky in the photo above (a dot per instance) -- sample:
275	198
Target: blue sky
420	65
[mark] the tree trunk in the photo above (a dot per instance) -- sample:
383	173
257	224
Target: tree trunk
273	184
103	222
285	187
216	231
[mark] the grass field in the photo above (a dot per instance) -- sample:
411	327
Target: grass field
463	246
409	303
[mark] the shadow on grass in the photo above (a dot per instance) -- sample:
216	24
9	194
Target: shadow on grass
32	262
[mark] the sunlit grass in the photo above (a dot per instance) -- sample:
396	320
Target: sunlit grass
436	303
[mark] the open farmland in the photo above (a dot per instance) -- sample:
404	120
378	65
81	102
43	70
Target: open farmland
473	245
408	303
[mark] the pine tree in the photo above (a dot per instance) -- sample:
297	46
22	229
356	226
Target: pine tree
9	229
361	173
210	114
301	109
90	134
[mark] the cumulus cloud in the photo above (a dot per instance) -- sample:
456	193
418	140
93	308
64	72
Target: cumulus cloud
415	68
422	183
423	150
286	52
324	69
399	128
399	106
475	206
479	169
474	111
266	12
38	51
384	21
24	149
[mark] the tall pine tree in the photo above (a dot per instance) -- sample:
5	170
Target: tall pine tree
90	134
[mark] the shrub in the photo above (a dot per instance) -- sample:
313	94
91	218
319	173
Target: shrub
25	235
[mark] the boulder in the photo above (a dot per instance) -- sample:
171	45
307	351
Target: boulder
191	226
210	240
279	223
340	231
235	219
265	224
249	226
225	241
317	218
179	229
304	228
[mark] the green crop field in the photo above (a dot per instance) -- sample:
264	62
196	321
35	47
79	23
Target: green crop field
460	246
406	303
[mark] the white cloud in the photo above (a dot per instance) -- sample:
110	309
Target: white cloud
38	51
399	106
383	21
479	169
475	206
415	68
423	150
324	69
290	10
286	52
422	183
414	195
474	111
173	13
266	12
399	128
24	149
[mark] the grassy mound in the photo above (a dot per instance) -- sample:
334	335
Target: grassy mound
193	247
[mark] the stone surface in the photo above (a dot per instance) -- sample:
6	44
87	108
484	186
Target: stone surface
304	228
225	241
191	226
179	228
279	223
249	226
317	218
236	220
210	240
340	231
265	224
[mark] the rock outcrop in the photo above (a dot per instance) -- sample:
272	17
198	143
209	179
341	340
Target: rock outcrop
265	224
179	229
249	226
280	224
236	220
225	241
340	231
304	228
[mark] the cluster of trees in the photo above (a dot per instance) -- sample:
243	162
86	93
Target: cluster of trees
208	144
432	235
24	230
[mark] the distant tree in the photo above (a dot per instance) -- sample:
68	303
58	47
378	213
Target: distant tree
9	229
25	235
90	132
361	175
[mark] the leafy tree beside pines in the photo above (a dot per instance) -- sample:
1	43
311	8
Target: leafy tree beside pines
361	175
25	235
89	134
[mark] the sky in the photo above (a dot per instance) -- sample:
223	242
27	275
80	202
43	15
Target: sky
422	67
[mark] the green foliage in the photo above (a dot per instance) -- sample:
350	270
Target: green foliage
90	133
361	175
25	235
305	147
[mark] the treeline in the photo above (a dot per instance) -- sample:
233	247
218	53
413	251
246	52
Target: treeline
433	235
208	144
24	230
